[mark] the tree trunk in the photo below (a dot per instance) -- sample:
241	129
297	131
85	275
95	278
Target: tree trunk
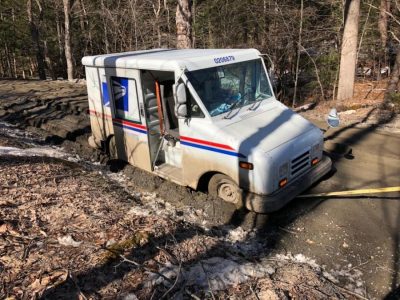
383	32
383	22
49	62
106	43
67	39
348	58
298	54
8	61
157	11
2	67
88	34
393	85
184	24
59	39
211	43
35	38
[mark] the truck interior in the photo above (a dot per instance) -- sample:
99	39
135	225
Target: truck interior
162	123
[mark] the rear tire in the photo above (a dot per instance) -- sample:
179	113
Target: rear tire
223	187
112	148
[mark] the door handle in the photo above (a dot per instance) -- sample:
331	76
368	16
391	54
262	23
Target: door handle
141	108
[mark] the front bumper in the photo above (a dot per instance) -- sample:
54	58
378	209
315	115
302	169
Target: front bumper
278	199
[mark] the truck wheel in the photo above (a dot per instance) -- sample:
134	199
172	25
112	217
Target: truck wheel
225	188
112	148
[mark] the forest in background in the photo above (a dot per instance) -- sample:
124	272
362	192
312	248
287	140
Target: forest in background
301	41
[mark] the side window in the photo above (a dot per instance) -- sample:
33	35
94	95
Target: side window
125	97
193	108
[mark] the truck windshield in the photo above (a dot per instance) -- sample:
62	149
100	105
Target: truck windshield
231	86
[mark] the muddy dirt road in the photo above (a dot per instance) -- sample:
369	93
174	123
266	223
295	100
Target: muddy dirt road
362	233
355	238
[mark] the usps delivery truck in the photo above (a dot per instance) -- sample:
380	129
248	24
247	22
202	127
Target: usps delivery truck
204	118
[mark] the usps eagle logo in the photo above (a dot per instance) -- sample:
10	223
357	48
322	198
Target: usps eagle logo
119	90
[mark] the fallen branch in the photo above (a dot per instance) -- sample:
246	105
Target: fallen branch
176	280
305	107
77	286
124	259
208	281
362	264
346	290
192	295
254	293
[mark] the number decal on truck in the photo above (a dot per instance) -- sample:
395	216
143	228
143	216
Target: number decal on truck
224	59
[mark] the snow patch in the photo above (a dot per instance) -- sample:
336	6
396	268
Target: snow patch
237	235
298	258
67	240
151	204
13	131
215	273
35	151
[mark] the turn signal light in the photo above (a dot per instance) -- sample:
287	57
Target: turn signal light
283	182
246	165
314	161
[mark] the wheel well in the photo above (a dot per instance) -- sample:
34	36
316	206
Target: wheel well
202	184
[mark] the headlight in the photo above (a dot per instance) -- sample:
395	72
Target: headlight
316	149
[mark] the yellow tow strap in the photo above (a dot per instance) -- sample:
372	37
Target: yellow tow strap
354	192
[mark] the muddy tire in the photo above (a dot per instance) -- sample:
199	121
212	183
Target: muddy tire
112	148
223	187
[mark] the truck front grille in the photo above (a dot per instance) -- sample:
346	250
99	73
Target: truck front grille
300	164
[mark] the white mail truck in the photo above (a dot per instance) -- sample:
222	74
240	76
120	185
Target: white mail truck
204	119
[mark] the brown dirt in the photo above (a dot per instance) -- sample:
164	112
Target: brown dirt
363	110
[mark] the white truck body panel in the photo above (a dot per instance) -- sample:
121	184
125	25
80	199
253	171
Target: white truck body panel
170	59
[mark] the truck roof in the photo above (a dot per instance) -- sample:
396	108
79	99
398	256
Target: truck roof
171	59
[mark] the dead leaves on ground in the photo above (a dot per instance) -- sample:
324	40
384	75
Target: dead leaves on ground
54	220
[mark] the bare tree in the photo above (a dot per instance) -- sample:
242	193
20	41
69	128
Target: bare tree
394	83
34	28
348	56
384	9
383	21
106	43
184	24
67	39
298	55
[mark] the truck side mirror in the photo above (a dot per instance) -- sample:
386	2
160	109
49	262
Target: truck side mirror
180	100
333	118
181	111
181	94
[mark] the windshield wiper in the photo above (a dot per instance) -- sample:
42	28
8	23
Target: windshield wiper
257	102
233	106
